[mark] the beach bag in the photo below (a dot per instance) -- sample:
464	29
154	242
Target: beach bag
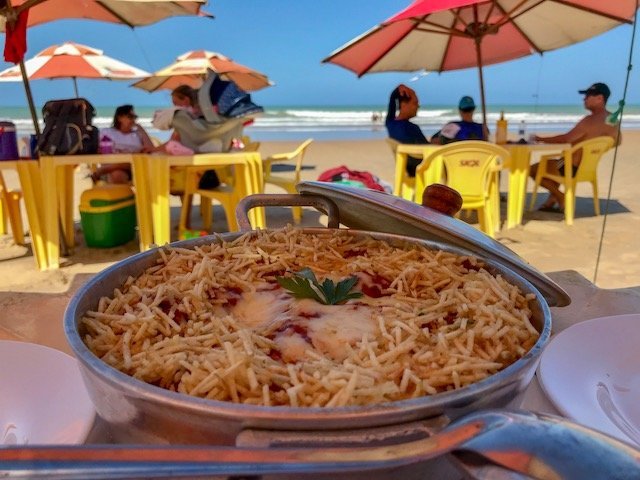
68	128
354	178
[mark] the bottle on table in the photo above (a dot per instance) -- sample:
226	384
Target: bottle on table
522	131
501	130
106	145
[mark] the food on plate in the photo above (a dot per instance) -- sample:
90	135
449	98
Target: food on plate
216	322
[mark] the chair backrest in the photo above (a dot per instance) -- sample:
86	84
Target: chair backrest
298	155
469	165
393	144
592	151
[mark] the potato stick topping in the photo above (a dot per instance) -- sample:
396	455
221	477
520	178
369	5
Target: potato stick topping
214	322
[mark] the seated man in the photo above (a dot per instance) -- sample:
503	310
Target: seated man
404	101
464	129
593	125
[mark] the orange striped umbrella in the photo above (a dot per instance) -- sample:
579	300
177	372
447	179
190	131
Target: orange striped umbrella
191	68
72	60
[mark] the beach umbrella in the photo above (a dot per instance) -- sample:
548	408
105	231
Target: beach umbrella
441	35
72	60
17	15
191	69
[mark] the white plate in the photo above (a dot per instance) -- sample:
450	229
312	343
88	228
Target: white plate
42	397
591	372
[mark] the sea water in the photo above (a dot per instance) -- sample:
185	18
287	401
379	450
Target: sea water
356	122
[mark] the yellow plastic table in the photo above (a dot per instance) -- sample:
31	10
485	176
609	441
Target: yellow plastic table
518	167
30	181
57	189
402	153
248	174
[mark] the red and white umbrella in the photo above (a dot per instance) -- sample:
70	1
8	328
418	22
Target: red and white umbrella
191	69
440	35
128	12
72	60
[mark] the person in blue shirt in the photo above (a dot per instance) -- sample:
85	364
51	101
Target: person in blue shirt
403	106
464	129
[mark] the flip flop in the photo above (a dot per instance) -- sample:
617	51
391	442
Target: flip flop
552	209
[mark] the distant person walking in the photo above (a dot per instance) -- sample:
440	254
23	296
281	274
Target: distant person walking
592	126
463	129
403	106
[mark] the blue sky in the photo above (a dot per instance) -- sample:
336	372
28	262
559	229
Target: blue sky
287	39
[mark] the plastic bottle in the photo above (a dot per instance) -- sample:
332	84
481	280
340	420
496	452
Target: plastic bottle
522	131
106	145
501	129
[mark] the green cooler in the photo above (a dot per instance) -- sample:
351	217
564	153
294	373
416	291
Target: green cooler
108	215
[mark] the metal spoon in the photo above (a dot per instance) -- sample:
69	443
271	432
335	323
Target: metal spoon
540	446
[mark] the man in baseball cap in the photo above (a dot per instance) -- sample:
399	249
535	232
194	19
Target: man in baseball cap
463	129
597	89
593	125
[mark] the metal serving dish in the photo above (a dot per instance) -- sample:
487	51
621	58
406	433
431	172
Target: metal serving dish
138	412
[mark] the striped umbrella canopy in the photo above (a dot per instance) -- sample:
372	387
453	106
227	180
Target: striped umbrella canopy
128	12
73	60
441	35
191	69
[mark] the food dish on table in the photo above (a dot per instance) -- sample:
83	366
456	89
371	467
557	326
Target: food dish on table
590	372
215	322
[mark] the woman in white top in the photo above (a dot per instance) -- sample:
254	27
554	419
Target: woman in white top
127	137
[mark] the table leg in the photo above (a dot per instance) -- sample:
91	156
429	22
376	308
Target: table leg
161	212
64	177
518	172
139	169
50	210
31	182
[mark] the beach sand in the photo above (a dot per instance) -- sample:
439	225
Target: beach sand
32	302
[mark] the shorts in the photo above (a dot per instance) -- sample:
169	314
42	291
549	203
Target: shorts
412	165
560	164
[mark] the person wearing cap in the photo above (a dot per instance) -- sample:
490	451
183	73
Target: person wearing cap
127	137
463	129
593	125
403	106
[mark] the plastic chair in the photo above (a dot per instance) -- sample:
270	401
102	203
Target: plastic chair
10	202
592	151
287	182
227	194
472	169
404	184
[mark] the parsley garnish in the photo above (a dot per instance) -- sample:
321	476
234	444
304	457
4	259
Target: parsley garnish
304	284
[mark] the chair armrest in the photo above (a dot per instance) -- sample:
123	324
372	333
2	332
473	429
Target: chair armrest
279	157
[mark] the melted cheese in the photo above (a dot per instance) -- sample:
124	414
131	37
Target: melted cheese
259	309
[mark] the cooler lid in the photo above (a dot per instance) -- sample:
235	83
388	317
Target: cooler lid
364	209
106	195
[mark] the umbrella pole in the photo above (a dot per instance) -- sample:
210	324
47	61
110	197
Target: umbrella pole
75	86
32	106
477	41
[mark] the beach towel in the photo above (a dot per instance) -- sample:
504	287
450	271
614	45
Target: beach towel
347	176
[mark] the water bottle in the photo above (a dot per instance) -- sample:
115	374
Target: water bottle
522	131
106	145
8	141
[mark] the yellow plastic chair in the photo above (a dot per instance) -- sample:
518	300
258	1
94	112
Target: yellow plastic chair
227	194
472	169
287	182
11	205
592	152
404	184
